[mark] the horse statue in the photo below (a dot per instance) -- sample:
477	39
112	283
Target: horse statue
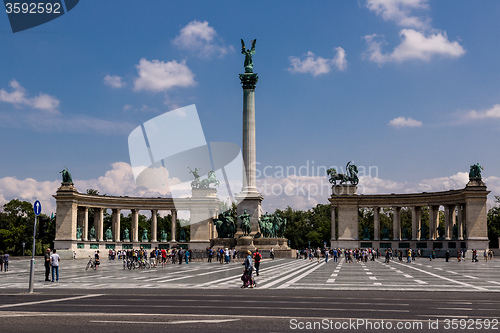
475	171
196	182
352	175
66	176
205	183
245	223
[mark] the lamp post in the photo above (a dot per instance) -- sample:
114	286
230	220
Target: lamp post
24	244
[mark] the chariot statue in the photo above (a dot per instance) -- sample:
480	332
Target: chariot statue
66	176
205	183
475	171
351	176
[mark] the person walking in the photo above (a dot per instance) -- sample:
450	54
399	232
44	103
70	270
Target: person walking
247	272
180	254
47	264
54	262
186	256
257	257
6	262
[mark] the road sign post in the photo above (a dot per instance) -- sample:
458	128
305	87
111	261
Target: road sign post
37	207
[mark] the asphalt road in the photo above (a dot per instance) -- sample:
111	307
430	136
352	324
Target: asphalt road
246	310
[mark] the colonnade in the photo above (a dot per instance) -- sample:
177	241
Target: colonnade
98	223
453	217
464	209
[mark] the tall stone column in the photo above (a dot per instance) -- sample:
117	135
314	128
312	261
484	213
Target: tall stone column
135	225
116	225
154	225
449	220
376	223
415	223
249	199
85	234
460	226
333	223
173	213
396	223
99	223
433	222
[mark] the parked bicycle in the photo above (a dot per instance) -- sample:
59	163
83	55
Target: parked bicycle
91	264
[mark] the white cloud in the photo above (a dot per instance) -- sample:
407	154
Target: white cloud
114	81
414	46
400	11
405	122
201	39
18	98
159	76
492	113
298	192
316	65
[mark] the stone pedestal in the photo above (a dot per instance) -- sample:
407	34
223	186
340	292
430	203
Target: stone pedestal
201	216
251	203
66	215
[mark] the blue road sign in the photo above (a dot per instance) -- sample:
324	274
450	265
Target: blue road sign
37	207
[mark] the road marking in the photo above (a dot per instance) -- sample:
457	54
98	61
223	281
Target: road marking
372	277
330	281
447	279
408	276
494	282
470	277
207	321
333	275
369	273
420	282
294	279
377	283
48	301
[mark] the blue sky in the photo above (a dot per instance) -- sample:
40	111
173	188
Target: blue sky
407	86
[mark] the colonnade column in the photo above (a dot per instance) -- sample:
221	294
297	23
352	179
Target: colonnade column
98	223
173	213
396	223
460	227
433	222
334	223
376	223
449	217
135	225
85	234
154	225
416	222
116	225
447	222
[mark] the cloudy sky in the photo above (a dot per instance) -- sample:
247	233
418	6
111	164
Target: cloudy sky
406	89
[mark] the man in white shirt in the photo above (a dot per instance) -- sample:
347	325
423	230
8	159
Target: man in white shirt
54	262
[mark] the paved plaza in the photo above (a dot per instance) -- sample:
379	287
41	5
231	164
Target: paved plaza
420	275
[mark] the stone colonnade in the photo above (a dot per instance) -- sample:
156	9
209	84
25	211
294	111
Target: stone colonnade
73	213
464	211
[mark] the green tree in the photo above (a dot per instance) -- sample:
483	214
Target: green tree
493	221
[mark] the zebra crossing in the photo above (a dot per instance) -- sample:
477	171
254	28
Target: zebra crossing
420	275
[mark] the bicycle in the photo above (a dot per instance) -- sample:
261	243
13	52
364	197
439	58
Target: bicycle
91	264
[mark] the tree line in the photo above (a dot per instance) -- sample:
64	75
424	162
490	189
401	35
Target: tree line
311	228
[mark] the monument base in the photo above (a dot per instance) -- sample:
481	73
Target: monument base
251	202
223	243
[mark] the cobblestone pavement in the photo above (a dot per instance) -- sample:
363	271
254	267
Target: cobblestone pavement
420	275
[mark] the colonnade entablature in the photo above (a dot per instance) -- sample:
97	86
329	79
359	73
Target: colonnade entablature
74	231
465	215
